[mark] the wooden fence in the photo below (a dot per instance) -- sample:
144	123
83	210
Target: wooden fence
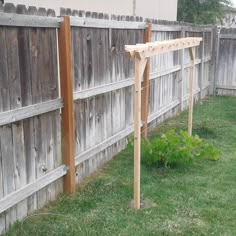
30	127
225	78
33	128
104	78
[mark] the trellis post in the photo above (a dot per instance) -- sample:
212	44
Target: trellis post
146	86
141	53
140	65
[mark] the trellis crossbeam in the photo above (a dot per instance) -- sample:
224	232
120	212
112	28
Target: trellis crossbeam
154	48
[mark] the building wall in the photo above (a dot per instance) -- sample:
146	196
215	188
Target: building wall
158	9
105	6
230	17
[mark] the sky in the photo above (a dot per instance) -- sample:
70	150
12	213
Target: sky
234	2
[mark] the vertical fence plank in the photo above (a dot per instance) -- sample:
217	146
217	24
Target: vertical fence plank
9	146
182	80
201	77
146	85
191	92
225	74
43	138
4	98
25	76
34	123
217	40
68	133
2	215
215	51
56	117
54	157
25	80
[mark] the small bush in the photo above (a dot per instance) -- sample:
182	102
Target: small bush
173	147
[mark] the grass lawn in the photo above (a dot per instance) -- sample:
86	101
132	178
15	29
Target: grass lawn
195	200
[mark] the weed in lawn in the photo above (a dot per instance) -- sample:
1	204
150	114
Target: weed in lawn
204	128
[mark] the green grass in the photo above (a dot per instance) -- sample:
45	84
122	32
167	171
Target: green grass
189	200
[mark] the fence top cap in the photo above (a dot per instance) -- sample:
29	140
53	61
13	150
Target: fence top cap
154	48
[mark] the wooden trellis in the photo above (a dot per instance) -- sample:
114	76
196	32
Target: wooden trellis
141	54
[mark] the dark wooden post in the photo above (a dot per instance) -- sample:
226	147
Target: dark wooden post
146	86
216	59
68	132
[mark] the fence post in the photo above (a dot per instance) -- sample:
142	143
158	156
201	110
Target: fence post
202	65
217	48
68	135
146	85
215	52
181	80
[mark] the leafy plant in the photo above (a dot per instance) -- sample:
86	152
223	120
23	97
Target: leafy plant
202	11
173	147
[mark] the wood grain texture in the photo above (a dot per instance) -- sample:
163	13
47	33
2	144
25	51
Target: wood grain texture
29	189
25	69
225	63
151	49
137	131
146	86
4	105
90	83
68	135
26	86
15	140
191	92
43	124
34	149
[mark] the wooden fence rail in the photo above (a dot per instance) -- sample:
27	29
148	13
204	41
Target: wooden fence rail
87	111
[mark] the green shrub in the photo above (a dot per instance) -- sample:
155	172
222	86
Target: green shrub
173	147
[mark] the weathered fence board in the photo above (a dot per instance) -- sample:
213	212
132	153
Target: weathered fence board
30	139
101	69
3	107
28	21
225	80
10	163
29	189
102	75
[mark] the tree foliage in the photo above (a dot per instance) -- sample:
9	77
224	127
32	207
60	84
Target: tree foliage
201	11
